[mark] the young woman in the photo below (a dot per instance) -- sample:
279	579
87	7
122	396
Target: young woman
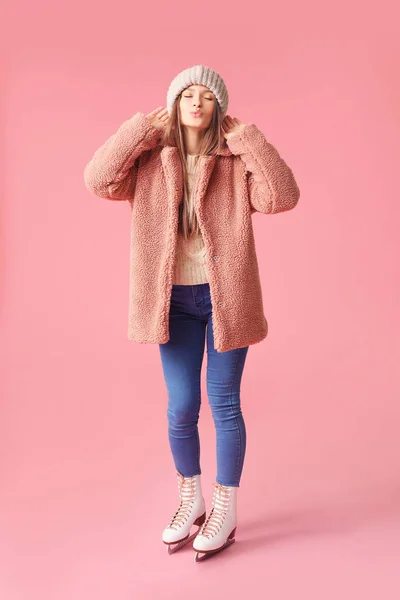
193	177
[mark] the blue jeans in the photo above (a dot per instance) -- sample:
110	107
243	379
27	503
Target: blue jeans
190	320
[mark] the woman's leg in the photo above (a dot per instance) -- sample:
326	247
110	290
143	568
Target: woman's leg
224	375
182	358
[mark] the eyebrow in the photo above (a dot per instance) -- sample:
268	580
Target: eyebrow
205	92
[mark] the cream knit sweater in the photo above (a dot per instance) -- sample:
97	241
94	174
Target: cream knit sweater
190	265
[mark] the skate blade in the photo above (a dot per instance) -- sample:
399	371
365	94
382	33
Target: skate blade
204	554
174	547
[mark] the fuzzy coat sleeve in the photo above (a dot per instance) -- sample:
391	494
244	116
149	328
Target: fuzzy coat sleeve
271	183
112	171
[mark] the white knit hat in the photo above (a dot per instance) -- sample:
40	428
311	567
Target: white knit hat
201	75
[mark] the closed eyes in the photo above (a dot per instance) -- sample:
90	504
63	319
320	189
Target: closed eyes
205	98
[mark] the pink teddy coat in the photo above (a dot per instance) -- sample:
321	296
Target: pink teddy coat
247	175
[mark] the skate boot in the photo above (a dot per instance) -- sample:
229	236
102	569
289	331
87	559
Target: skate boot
191	511
218	531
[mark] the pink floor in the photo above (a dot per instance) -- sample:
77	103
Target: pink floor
90	526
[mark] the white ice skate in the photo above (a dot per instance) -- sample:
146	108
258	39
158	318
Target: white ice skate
218	531
191	511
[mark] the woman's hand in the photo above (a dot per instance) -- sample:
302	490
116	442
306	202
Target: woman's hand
230	126
158	117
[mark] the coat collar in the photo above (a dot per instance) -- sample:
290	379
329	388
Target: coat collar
172	168
224	151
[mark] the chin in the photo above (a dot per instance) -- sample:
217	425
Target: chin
196	126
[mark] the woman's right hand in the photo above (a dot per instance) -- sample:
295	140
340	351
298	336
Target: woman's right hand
158	117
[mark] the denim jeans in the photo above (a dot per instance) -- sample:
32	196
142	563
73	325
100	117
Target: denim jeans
190	322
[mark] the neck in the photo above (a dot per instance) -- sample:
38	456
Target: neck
193	139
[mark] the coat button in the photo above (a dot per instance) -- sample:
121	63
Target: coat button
204	218
215	257
220	303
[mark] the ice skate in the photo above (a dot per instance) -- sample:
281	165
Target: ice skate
191	511
218	531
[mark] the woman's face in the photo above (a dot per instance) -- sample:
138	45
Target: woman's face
197	98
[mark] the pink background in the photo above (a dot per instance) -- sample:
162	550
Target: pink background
87	479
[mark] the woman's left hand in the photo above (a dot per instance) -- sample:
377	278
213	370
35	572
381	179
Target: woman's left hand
231	125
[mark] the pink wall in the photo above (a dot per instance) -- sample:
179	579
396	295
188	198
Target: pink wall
87	481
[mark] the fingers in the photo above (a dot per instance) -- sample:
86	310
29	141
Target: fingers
229	118
162	114
159	113
158	109
158	116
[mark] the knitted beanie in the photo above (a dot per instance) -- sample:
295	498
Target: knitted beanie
201	75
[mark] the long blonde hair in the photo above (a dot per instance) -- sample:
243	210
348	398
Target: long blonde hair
212	142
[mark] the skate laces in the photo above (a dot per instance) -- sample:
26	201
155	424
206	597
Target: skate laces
218	511
186	492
